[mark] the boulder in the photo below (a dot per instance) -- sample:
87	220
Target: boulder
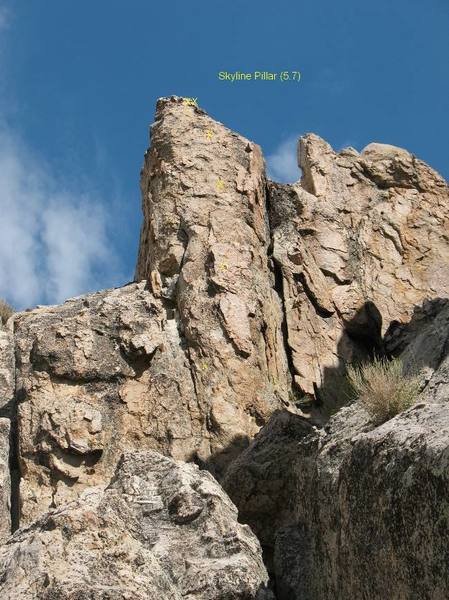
355	511
99	375
161	529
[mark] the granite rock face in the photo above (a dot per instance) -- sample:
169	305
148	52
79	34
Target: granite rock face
5	480
360	241
203	249
161	529
7	383
356	510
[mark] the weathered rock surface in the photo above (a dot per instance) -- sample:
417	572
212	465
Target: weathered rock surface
161	530
353	512
203	248
7	387
261	480
360	242
5	480
7	383
96	376
194	366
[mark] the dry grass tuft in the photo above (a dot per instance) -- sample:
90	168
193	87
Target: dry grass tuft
383	389
5	311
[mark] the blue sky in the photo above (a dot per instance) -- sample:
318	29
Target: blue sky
79	80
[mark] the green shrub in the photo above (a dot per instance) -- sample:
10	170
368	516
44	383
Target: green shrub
5	311
383	388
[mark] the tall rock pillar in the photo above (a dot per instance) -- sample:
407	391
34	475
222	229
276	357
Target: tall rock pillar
203	249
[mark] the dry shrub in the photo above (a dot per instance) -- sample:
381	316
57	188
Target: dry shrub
383	388
5	311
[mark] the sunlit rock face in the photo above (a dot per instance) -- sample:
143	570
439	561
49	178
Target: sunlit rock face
361	242
6	414
204	250
97	376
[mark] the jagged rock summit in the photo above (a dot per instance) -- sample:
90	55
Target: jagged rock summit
250	300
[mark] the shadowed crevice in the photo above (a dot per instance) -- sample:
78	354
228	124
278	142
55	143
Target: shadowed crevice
279	289
14	463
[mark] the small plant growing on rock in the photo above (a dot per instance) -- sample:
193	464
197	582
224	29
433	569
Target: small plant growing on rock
383	388
5	311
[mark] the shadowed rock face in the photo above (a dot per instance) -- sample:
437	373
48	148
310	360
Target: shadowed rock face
355	512
161	529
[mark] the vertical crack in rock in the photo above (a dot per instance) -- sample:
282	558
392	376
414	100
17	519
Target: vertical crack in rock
279	289
183	342
278	286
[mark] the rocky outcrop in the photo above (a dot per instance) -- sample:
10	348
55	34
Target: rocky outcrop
5	480
161	529
355	510
234	313
360	242
203	249
7	383
251	298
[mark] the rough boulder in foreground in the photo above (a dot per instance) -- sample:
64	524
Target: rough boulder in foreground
161	530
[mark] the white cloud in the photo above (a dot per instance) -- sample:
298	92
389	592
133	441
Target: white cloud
53	242
283	162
